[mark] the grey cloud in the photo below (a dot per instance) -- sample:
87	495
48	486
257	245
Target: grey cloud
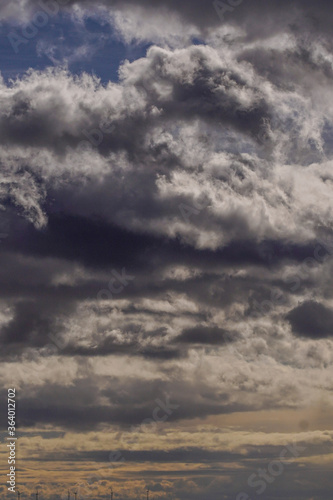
32	326
205	335
203	88
129	345
28	325
256	454
145	161
258	17
312	320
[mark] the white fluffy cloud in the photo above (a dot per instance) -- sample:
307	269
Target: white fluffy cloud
170	126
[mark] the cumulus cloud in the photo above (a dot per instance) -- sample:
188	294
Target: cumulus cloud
162	140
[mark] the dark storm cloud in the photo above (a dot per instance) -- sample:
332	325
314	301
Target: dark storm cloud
312	320
83	417
28	325
90	241
41	307
205	335
34	322
97	243
131	403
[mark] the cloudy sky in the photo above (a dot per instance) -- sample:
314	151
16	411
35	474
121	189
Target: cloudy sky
166	243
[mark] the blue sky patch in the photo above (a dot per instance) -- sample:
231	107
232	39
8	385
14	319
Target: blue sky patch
89	46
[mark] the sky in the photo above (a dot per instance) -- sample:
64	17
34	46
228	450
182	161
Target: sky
166	248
